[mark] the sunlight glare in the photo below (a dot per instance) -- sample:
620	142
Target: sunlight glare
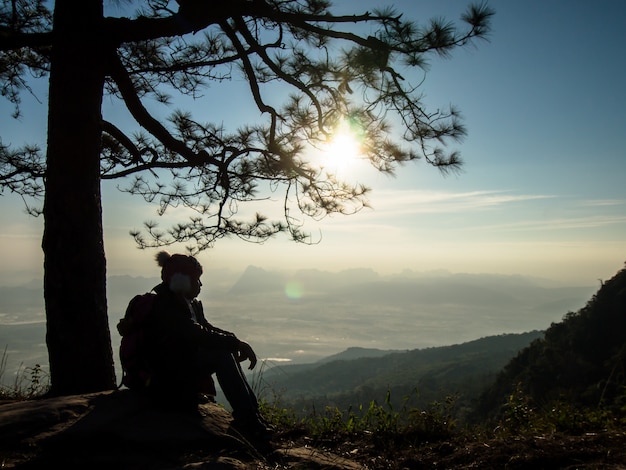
343	151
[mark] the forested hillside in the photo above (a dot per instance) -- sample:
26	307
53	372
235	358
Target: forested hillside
424	375
580	361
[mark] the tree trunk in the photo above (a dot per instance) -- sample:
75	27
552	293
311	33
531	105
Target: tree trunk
78	337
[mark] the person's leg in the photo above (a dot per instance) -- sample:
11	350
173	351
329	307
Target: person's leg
232	382
246	417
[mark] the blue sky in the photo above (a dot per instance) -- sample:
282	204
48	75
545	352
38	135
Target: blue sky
542	191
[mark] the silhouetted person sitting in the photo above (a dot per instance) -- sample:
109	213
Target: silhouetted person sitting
187	349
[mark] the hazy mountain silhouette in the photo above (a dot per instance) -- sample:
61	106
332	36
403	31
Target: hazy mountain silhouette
255	280
367	284
356	353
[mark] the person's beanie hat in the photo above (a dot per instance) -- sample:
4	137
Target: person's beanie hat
178	270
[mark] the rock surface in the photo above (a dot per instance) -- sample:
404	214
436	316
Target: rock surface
119	430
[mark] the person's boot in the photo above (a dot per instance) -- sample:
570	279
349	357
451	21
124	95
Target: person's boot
253	427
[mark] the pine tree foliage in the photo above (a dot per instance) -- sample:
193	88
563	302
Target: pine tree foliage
307	71
324	70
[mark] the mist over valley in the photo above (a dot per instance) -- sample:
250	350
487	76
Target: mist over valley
308	315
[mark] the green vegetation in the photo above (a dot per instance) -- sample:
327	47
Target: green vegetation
382	437
375	431
520	415
437	422
29	382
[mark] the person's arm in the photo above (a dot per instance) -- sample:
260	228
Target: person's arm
243	351
171	324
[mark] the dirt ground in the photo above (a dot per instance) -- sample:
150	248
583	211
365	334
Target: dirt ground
589	451
114	430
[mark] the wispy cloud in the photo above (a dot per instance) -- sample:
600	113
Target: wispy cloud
603	202
396	211
431	202
393	212
563	223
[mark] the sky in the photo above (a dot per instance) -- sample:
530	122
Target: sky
541	193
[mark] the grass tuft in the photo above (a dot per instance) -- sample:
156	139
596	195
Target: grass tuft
28	383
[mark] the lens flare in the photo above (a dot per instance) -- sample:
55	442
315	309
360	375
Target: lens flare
294	290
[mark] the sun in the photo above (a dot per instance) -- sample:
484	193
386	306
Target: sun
342	152
344	146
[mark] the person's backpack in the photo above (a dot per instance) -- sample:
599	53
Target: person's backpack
134	359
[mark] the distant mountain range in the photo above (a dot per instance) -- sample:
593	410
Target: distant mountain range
255	280
356	284
367	285
356	353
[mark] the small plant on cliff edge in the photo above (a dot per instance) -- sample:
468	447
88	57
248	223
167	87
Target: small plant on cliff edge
377	423
29	382
521	416
435	422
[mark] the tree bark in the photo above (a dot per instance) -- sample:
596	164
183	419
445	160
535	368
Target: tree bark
78	337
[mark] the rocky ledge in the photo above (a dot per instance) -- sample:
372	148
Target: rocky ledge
118	430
